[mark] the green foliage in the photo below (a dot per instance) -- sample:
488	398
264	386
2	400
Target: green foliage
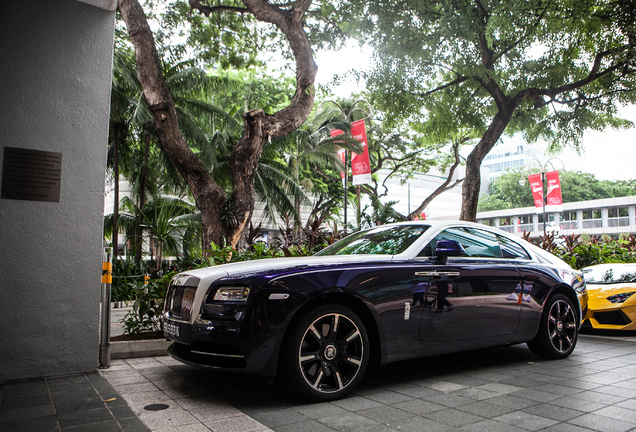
126	275
211	133
587	254
307	242
256	89
145	315
220	40
456	50
490	203
579	254
550	69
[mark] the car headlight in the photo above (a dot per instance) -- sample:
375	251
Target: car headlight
230	293
620	298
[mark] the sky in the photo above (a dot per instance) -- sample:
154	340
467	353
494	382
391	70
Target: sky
609	155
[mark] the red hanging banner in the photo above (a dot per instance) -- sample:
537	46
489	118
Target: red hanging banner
536	186
342	153
360	162
554	199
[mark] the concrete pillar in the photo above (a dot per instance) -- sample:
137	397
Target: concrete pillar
55	93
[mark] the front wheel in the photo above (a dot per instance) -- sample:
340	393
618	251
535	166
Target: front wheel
558	330
326	353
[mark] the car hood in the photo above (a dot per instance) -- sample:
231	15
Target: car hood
245	268
598	293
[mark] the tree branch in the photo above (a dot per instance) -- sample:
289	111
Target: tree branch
522	38
460	79
594	74
447	183
208	10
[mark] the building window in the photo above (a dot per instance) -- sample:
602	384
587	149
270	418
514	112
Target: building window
526	223
617	212
525	219
506	224
618	216
505	221
592	218
568	221
592	214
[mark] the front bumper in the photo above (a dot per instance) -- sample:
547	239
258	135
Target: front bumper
222	345
616	318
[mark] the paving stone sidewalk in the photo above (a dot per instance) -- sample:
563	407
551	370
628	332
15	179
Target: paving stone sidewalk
503	389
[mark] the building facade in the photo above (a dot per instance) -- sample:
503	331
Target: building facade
611	216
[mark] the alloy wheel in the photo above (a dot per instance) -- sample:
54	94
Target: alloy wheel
562	326
331	353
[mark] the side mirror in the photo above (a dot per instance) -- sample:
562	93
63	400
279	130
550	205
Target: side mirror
446	248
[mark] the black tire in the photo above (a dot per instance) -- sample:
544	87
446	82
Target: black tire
326	353
558	330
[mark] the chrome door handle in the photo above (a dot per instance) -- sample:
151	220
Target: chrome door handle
438	273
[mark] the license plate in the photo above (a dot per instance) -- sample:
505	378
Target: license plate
171	330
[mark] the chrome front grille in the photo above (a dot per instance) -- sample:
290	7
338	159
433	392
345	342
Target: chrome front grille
179	302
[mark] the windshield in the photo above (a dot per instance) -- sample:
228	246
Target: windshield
382	240
607	274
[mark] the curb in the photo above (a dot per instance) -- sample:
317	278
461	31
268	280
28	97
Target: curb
141	348
122	304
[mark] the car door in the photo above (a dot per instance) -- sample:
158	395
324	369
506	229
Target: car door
397	293
479	288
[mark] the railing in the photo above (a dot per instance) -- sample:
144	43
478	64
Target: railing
618	221
526	227
592	223
568	225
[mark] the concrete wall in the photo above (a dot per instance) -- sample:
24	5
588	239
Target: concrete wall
55	74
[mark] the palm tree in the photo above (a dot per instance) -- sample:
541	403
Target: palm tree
312	146
124	88
144	164
171	224
211	133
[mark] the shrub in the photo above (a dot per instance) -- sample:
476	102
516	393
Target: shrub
147	310
126	275
594	251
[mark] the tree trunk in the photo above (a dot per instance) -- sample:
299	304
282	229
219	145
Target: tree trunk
472	181
207	194
142	200
115	237
258	129
158	257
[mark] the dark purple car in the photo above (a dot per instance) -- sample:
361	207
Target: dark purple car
390	293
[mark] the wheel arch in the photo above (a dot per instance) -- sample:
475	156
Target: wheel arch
570	294
354	303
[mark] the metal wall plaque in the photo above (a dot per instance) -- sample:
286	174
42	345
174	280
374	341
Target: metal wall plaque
31	175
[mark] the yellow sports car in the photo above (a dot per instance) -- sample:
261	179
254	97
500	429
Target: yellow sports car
611	290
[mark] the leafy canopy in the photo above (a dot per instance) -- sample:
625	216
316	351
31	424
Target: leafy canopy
439	59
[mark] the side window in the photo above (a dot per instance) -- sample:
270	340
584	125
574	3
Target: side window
511	249
429	249
479	243
476	242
